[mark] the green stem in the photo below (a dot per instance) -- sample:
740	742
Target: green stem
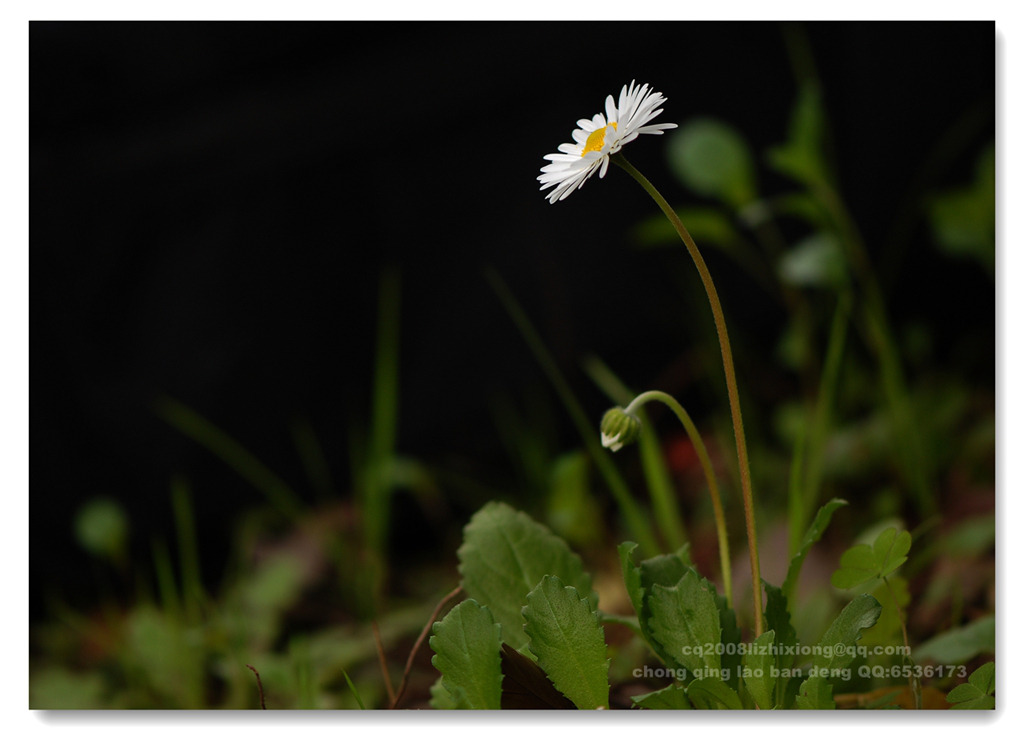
805	481
709	474
664	502
914	681
730	379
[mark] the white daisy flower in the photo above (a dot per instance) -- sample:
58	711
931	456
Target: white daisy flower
597	139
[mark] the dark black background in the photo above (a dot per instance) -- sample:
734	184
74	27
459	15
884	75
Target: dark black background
211	205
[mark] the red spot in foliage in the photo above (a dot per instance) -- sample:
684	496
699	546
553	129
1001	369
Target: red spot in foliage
680	455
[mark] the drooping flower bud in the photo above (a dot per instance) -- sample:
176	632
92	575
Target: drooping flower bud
619	428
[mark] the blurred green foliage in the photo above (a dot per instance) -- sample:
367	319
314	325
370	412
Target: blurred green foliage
866	411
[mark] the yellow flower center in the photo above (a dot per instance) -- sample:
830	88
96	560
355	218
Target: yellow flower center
595	141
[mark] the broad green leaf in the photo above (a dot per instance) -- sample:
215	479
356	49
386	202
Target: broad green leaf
670	697
713	159
776	616
977	692
467	652
856	566
504	555
758	676
811	536
862	563
959	645
815	693
984	678
980	701
526	686
891	548
666	570
712	693
568	640
835	649
684	619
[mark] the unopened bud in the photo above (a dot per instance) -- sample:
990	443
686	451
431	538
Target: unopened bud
619	428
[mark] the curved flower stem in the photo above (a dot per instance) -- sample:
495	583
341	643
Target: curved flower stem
730	379
709	474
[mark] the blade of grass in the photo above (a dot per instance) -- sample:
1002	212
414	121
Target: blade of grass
166	585
188	551
384	417
826	401
352	688
634	518
805	472
223	446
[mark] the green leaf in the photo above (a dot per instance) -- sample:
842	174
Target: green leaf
811	536
984	678
526	686
776	616
891	548
862	563
758	676
893	595
568	640
670	697
712	159
712	693
835	649
977	702
666	570
815	693
856	566
684	619
732	655
977	692
504	555
467	647
631	575
959	645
